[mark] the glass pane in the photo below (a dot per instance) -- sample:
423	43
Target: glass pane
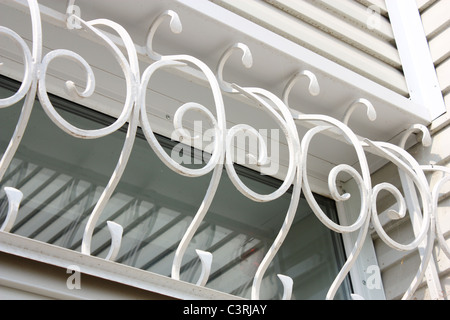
63	177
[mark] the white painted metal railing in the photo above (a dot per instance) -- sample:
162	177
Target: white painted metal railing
134	112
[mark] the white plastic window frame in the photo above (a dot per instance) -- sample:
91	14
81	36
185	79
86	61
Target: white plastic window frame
365	275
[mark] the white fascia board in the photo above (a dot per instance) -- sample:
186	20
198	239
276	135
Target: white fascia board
304	56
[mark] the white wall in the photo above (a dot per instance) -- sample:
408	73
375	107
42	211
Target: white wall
398	269
354	34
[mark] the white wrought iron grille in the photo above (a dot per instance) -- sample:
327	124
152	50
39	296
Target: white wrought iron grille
418	195
154	208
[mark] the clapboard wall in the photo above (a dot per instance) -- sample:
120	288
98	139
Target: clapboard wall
354	34
398	269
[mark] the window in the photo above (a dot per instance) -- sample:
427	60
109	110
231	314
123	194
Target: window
62	178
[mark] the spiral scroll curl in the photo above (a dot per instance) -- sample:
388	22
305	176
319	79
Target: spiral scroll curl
134	112
411	168
215	163
425	236
280	113
293	177
130	71
363	182
129	113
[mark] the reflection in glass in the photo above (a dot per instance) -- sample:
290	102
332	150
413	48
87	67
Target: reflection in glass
62	178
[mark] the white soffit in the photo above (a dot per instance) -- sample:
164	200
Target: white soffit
209	30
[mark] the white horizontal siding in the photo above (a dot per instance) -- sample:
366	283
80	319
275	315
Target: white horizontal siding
435	17
436	21
424	4
380	4
356	36
338	30
359	15
398	268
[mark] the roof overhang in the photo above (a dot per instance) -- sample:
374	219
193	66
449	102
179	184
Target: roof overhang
208	31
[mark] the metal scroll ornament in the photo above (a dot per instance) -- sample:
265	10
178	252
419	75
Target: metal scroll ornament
134	112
